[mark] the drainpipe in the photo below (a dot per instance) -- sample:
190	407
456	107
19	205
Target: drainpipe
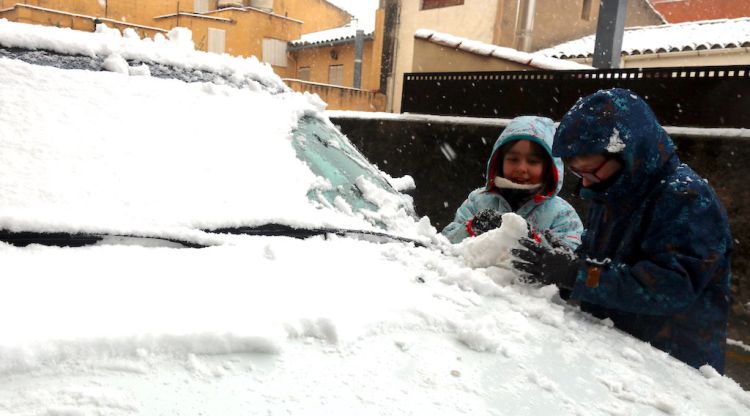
610	29
524	24
359	45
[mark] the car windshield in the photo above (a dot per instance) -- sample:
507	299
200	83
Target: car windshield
330	155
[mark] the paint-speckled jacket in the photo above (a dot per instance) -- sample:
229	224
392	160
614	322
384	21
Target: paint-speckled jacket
543	212
657	241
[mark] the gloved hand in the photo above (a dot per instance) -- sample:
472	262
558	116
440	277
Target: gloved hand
485	220
542	265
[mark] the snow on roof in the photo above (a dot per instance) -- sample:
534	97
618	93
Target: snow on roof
494	51
690	36
176	49
335	35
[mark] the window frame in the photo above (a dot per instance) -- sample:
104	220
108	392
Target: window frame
439	4
215	37
305	69
340	69
275	52
200	6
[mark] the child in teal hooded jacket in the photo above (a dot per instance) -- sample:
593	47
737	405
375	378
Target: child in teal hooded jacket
522	177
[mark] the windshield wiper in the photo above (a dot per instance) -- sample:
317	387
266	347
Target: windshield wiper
281	230
24	238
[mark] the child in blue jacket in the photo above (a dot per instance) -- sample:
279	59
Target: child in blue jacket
655	257
522	177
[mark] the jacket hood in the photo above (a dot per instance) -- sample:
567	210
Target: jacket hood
540	130
619	122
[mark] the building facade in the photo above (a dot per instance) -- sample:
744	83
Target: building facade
525	25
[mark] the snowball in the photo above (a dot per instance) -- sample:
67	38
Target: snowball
402	184
493	247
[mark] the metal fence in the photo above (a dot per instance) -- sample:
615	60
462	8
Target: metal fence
707	96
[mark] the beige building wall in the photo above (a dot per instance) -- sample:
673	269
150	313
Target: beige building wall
558	21
475	19
431	57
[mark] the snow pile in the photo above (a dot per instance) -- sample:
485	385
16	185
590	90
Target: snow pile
480	48
176	49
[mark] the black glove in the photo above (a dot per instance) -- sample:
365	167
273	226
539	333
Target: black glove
486	220
557	265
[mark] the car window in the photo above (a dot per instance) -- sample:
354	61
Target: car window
331	156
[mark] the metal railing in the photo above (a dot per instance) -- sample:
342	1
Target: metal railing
707	96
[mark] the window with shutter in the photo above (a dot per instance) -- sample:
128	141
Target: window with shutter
216	40
303	73
336	74
200	6
274	52
436	4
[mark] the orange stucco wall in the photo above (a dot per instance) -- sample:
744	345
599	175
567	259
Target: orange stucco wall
317	14
87	7
244	35
32	14
691	10
141	11
339	98
319	59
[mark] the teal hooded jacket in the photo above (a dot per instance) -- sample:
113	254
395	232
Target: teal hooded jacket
543	212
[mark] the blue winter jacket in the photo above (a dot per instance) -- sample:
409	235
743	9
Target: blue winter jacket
543	212
657	243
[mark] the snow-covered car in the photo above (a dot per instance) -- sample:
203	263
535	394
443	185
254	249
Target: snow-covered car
183	234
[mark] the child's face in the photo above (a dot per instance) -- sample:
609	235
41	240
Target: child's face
522	164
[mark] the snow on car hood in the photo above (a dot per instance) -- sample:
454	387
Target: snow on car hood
110	153
274	325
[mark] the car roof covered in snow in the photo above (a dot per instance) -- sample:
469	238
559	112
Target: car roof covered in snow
120	151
